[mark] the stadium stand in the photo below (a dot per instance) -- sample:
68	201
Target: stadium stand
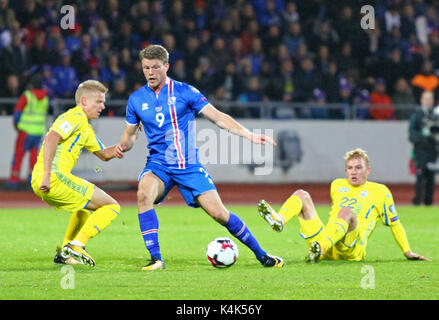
243	50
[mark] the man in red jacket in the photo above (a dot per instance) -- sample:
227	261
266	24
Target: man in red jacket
30	122
380	99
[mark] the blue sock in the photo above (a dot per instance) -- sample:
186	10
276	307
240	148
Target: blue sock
238	228
149	226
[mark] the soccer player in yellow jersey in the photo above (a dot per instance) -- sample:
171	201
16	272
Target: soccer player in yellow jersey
357	205
92	209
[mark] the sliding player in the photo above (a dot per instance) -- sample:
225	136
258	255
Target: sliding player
357	205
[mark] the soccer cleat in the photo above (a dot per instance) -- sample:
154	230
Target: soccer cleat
274	219
315	252
78	253
155	264
59	259
272	261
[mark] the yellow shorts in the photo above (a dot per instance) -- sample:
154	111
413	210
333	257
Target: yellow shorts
66	192
348	248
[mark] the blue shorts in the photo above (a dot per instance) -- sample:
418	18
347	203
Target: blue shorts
191	182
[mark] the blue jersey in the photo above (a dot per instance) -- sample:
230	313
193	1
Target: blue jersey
168	121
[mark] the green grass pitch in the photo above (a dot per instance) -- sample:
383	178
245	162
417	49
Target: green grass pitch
29	237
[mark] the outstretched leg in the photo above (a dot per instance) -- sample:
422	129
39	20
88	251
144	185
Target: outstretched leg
212	204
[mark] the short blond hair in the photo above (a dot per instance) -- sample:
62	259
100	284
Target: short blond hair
155	51
357	154
89	86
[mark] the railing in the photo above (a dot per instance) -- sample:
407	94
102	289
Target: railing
265	109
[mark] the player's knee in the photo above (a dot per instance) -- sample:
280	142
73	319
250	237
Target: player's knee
303	195
144	197
219	215
348	215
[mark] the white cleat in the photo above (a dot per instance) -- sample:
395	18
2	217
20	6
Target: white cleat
274	219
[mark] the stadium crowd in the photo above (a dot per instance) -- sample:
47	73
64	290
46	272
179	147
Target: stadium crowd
244	50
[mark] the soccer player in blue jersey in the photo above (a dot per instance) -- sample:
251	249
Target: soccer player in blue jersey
166	109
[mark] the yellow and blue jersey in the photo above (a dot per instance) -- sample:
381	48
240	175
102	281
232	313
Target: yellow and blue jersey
370	202
76	133
168	122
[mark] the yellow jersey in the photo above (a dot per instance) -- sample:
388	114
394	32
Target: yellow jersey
76	133
370	202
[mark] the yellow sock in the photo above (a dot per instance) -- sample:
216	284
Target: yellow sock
334	231
97	222
76	222
291	208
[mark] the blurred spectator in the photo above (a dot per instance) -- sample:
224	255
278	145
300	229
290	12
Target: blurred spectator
345	100
38	53
65	76
30	10
13	58
425	80
331	80
125	37
83	57
49	82
306	80
10	89
73	40
7	15
168	40
203	75
294	37
290	15
324	34
382	102
252	93
347	61
319	109
218	55
229	81
89	14
256	55
113	72
251	32
119	92
362	104
178	71
403	95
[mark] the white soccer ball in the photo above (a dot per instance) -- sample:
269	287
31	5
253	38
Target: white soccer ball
222	252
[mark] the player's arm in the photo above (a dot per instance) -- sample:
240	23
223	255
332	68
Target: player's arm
110	152
390	218
224	121
51	142
401	238
129	136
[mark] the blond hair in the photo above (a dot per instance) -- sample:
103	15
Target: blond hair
89	86
155	51
357	154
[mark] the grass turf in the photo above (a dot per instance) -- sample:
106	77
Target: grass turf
29	237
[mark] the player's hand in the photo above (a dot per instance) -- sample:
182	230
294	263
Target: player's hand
45	184
118	151
414	256
262	139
